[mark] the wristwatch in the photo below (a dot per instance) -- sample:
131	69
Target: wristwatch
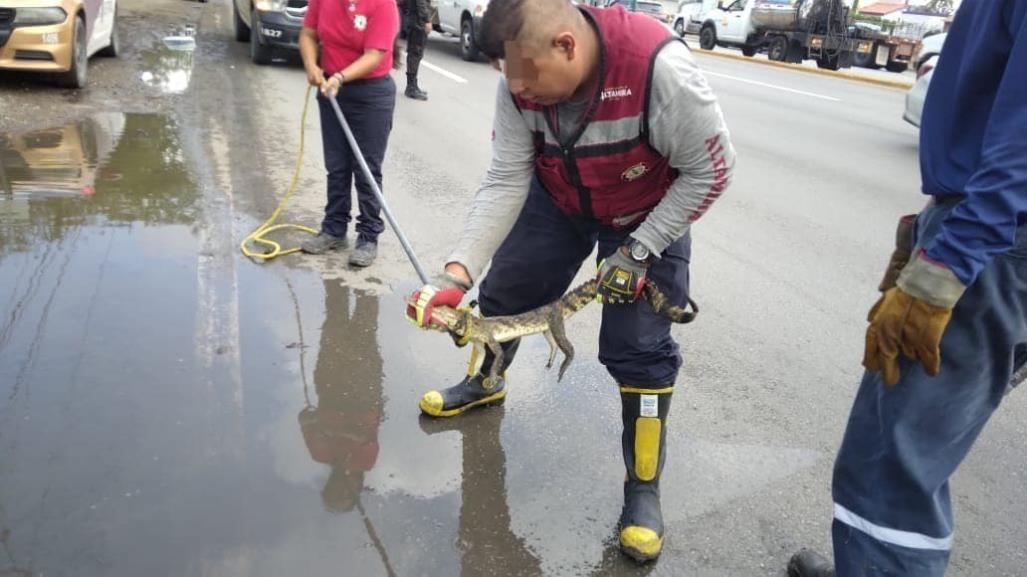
639	252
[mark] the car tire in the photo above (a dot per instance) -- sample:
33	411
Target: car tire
708	38
114	46
829	62
77	75
778	51
242	31
897	67
749	51
867	60
260	53
679	27
469	51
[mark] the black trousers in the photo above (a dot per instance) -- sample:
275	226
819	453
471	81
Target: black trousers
416	39
368	106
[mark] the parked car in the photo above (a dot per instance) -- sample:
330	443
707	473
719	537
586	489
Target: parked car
268	25
462	18
647	7
930	46
689	18
57	36
916	95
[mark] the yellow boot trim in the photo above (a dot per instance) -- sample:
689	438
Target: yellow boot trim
641	543
647	447
431	404
630	389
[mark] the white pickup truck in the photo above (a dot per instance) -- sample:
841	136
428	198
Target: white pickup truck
789	30
461	18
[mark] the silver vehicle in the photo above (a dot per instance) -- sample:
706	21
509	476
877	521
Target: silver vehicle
916	95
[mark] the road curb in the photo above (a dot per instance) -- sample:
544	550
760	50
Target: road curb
896	84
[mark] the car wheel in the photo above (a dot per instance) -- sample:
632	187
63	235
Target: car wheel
76	76
749	51
260	53
679	27
468	49
898	67
114	46
242	31
866	59
707	38
829	62
778	49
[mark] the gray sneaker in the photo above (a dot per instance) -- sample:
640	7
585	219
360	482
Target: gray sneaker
364	254
323	243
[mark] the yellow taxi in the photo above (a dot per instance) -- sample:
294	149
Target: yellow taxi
57	36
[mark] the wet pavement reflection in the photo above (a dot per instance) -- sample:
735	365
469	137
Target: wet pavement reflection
141	436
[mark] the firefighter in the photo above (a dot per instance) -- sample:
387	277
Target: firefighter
950	332
605	132
351	43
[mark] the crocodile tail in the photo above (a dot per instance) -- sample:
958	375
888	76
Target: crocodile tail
578	297
662	306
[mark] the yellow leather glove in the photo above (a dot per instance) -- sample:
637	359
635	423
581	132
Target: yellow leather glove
911	318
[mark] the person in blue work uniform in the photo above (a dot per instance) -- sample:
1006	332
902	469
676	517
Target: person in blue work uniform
950	332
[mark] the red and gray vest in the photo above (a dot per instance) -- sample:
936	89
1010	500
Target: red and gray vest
606	169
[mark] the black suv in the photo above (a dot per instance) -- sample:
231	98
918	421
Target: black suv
268	24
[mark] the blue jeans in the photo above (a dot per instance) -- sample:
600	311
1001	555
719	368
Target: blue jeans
368	106
893	514
537	262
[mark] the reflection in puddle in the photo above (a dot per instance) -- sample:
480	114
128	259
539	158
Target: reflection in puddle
144	430
111	169
170	66
65	161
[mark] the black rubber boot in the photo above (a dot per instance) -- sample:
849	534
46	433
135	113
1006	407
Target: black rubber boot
414	91
475	390
644	413
807	563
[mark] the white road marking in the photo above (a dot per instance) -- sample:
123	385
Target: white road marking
444	72
764	84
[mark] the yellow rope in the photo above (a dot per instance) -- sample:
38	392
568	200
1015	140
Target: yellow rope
257	236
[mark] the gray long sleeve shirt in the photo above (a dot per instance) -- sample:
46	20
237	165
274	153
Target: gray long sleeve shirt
685	125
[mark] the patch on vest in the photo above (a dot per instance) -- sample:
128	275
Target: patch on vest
635	172
615	92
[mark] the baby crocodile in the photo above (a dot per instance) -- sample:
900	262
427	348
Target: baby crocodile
548	320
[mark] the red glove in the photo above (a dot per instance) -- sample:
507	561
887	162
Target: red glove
444	290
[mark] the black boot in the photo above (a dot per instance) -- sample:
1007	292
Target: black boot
644	412
807	563
475	390
413	91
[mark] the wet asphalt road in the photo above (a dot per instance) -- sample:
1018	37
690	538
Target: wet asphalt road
171	408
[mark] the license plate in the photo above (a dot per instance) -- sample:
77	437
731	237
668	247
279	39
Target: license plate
864	47
883	52
271	32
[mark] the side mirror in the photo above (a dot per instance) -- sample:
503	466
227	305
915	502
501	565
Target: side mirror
720	5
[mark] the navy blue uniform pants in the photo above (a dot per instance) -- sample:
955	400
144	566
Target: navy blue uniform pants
893	514
537	262
368	106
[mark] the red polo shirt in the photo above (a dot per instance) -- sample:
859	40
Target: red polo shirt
346	28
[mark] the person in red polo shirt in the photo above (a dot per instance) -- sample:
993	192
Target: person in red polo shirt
350	43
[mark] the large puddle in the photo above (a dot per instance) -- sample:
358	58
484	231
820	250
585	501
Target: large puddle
168	407
163	416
